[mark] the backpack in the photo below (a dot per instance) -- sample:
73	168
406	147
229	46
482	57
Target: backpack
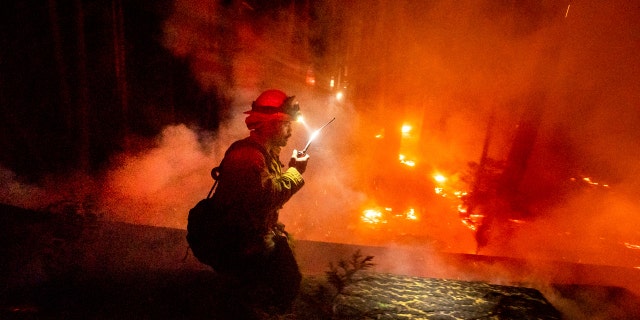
208	235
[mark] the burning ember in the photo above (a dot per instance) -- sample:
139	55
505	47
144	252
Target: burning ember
589	182
443	189
632	246
406	130
373	216
439	178
379	215
403	159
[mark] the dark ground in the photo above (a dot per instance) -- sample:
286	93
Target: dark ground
61	265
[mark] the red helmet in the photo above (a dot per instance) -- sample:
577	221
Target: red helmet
270	98
272	105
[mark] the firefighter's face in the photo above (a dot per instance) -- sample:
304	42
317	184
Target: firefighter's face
280	132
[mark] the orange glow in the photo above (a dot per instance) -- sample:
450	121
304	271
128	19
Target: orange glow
439	178
409	163
444	190
373	216
411	214
460	194
403	159
310	78
379	215
632	246
590	182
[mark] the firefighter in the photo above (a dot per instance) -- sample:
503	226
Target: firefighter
253	185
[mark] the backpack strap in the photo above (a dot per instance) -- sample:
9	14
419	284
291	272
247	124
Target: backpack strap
215	174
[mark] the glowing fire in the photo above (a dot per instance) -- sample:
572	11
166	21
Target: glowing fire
589	181
439	178
411	214
373	216
379	216
310	77
632	246
443	189
403	159
406	129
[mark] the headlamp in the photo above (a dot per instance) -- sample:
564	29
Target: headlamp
292	108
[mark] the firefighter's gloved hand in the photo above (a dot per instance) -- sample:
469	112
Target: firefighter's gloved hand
299	161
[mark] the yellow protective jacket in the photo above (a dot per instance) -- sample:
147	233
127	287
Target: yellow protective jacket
252	188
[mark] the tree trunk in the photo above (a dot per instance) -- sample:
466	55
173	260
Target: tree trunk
84	149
